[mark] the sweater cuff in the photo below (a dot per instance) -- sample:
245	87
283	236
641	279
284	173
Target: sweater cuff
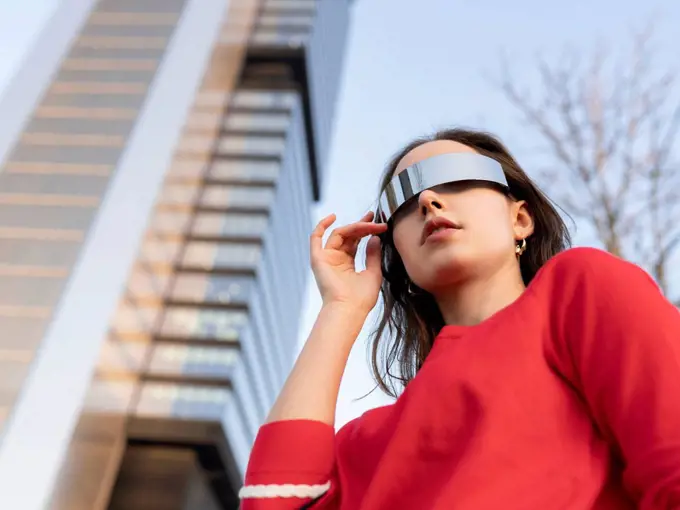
292	452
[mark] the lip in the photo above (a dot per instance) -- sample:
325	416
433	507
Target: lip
434	224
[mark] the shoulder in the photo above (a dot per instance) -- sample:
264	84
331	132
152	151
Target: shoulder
594	266
368	423
587	274
582	281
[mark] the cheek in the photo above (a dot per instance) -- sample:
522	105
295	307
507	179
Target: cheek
406	239
489	221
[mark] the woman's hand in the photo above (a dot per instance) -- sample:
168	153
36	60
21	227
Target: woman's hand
334	264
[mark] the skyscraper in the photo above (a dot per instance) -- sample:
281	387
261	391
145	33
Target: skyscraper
160	161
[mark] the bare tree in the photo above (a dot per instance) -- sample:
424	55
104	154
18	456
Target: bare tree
610	125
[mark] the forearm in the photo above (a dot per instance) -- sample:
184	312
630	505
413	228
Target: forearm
311	390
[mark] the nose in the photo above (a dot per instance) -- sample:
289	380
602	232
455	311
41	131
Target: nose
429	201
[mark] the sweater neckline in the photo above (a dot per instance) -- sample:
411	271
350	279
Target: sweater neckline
453	331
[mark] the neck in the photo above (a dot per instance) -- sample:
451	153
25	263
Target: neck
476	299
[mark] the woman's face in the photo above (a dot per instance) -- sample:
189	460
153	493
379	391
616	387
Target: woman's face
484	227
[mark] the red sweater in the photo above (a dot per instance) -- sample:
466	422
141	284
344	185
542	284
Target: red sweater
567	399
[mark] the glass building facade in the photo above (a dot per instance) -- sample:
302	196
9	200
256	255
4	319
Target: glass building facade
155	204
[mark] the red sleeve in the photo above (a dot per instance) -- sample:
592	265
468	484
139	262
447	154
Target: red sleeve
620	346
292	466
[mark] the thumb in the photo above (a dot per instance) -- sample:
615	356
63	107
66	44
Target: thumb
373	255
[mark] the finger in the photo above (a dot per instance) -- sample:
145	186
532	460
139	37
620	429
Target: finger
316	238
350	240
353	246
373	255
368	216
354	232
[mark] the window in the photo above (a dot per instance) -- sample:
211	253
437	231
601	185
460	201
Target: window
105	17
34	183
258	121
211	98
189	287
204	120
147	284
21	332
45	217
164	31
268	38
121	356
109	64
169	222
207	256
178	360
135	319
117	76
285	20
85	100
160	251
13	376
230	224
252	145
179	194
237	196
218	325
147	48
244	170
80	125
66	154
265	99
147	6
110	395
38	252
30	291
290	4
196	144
182	400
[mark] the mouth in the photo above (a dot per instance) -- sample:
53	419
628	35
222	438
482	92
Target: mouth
437	226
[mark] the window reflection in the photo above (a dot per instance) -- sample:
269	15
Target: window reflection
268	38
135	319
219	325
275	20
289	4
260	121
197	287
181	400
230	224
110	396
237	196
160	251
127	30
205	255
255	171
265	99
252	145
193	360
171	222
196	144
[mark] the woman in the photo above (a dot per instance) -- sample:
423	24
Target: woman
545	380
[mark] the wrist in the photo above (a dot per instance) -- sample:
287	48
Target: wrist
343	316
349	310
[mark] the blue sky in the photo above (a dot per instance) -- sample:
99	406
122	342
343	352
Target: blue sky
413	67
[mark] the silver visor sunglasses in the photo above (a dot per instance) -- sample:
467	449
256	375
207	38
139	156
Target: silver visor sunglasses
435	171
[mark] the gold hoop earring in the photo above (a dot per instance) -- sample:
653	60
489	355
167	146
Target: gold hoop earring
521	248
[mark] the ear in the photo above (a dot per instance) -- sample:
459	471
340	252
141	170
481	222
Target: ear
522	221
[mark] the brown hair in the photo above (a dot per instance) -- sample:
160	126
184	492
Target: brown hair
410	322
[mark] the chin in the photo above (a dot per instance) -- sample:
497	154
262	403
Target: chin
448	267
443	275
